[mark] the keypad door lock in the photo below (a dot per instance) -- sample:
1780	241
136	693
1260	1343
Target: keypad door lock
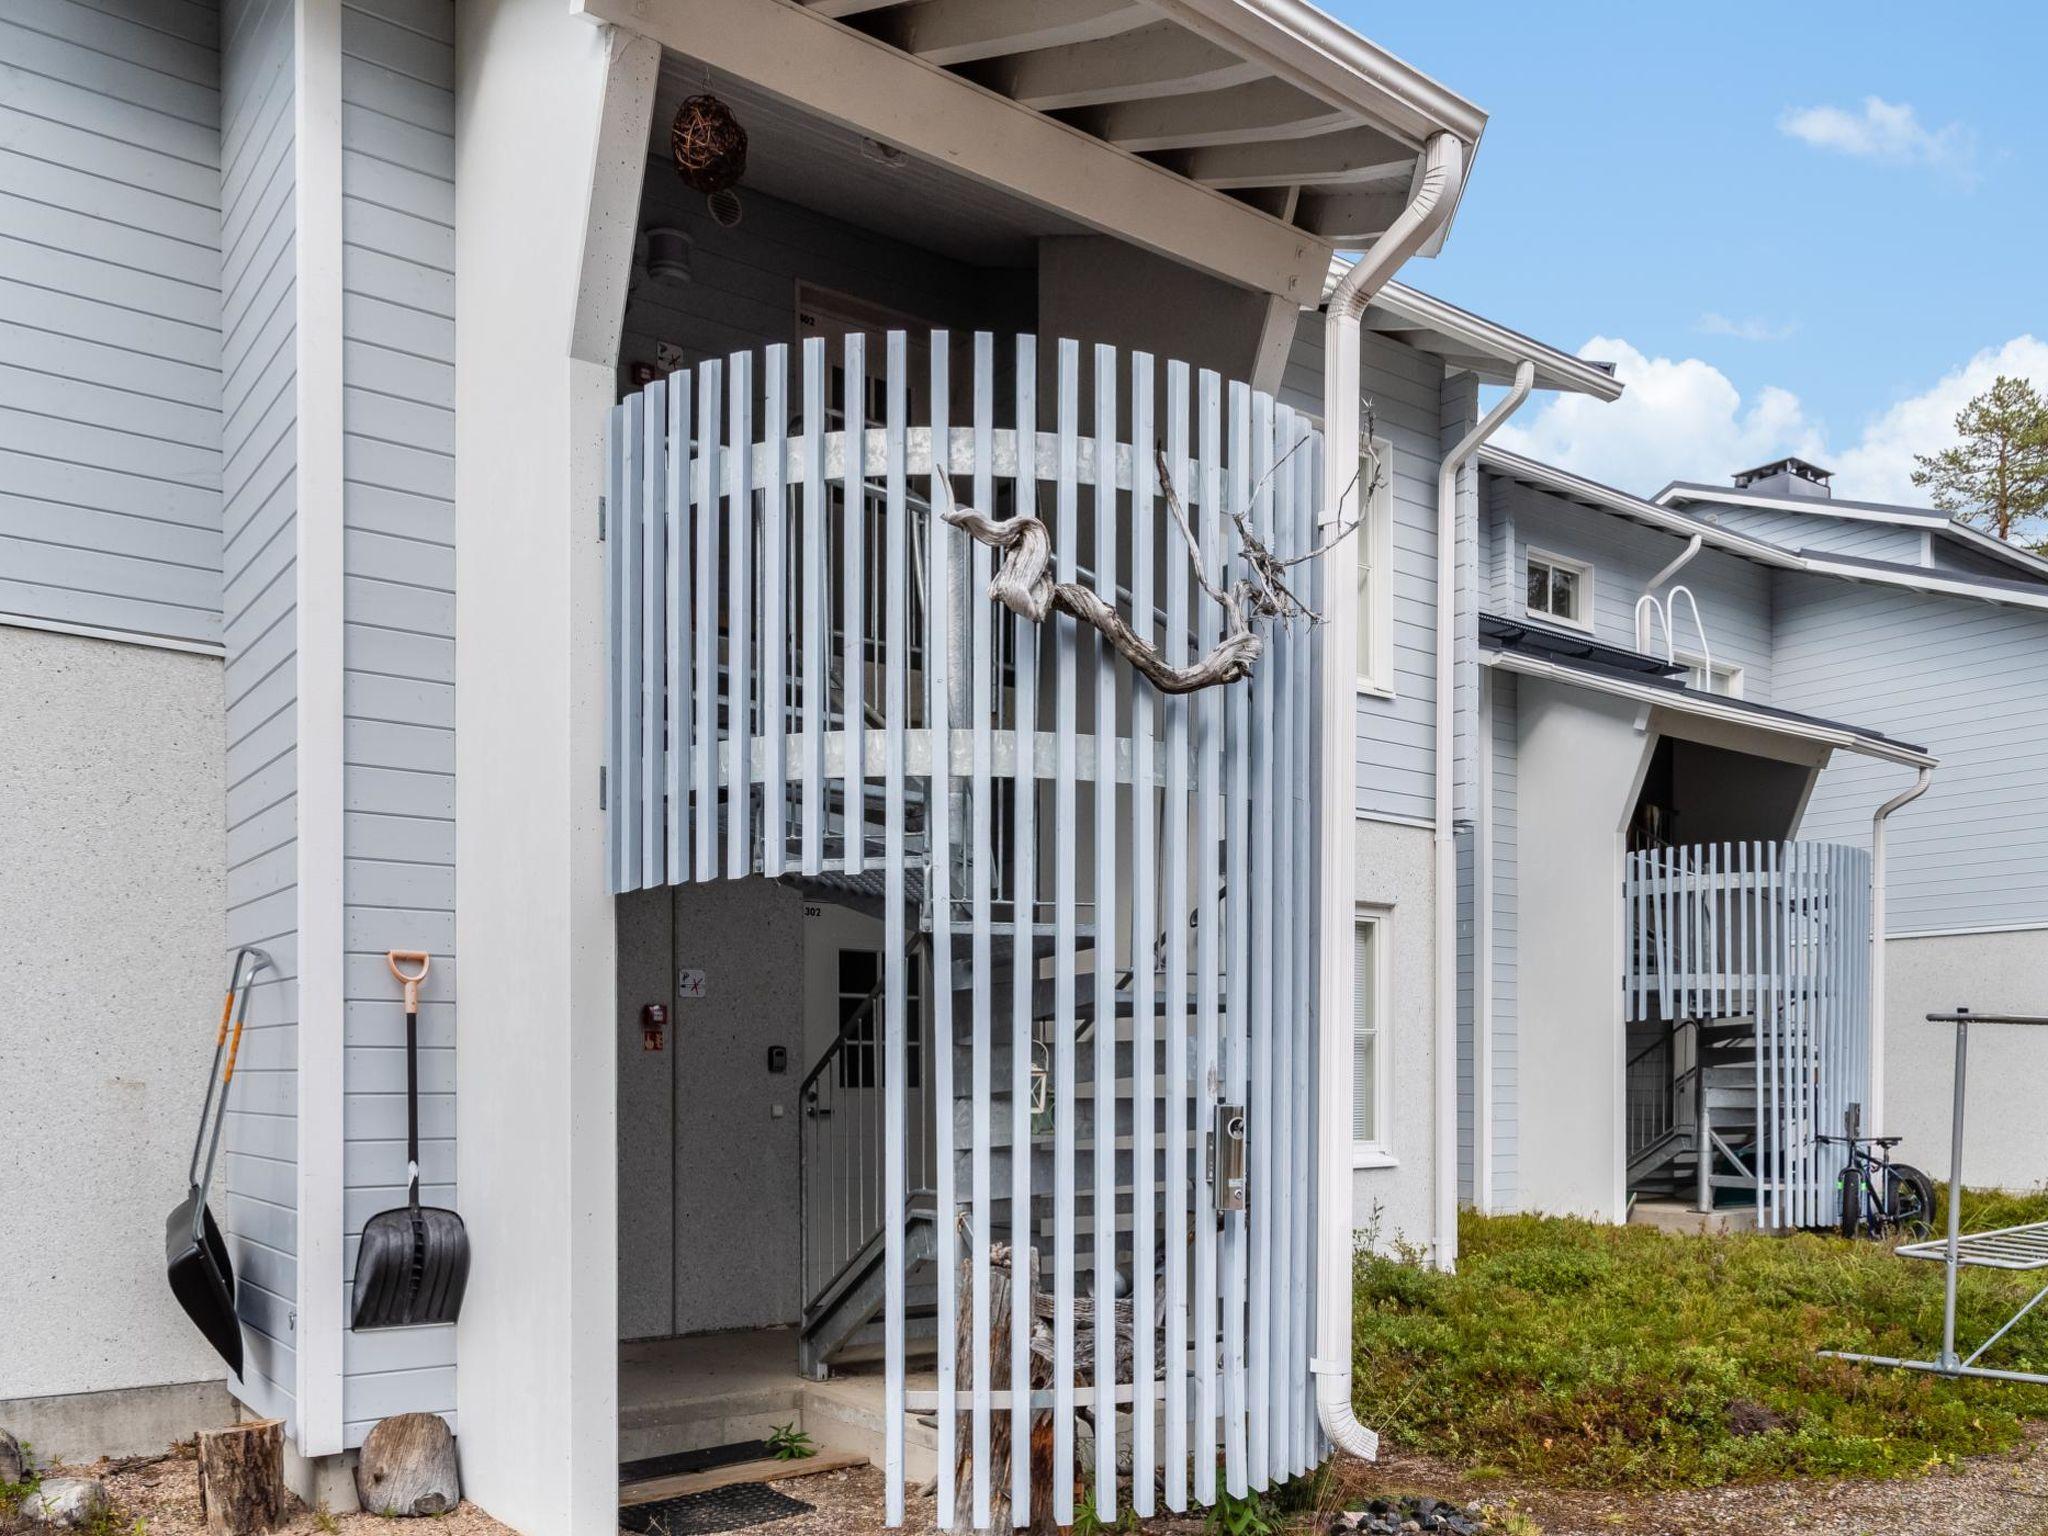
1227	1158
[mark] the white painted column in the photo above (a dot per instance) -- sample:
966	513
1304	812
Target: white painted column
550	145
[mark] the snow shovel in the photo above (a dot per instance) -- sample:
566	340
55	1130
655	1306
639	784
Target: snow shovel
201	1275
413	1263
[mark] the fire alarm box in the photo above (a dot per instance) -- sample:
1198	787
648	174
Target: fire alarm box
653	1026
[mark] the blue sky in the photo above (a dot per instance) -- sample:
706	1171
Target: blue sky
1835	215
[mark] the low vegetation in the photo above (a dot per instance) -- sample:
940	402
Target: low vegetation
1592	1356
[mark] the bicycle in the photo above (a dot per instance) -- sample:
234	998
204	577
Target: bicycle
1882	1199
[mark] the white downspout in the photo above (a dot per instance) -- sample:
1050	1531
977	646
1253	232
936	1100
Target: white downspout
1443	1246
1873	1112
1683	559
1437	192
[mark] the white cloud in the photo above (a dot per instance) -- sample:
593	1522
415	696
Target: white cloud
1887	131
1679	419
1751	328
1880	465
1683	419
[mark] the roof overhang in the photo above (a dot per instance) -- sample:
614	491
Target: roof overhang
1605	498
1712	707
1247	138
1922	578
1465	340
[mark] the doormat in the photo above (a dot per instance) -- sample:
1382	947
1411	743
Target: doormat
703	1460
719	1509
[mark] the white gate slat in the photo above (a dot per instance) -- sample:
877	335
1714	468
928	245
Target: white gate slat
775	614
1276	806
617	608
1065	1194
1257	1007
852	598
1209	949
1104	828
896	985
1236	965
653	643
676	504
739	640
710	404
1024	639
633	550
981	664
1301	867
938	662
1145	1076
1179	1158
816	608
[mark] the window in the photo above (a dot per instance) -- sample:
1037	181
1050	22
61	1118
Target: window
1560	589
1375	539
860	973
1717	678
1369	1066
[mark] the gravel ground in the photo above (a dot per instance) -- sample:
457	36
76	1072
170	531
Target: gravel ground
1988	1496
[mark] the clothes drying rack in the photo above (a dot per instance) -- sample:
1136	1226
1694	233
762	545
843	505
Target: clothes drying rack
2024	1247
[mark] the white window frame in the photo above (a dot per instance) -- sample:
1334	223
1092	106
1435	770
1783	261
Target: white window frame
1531	555
1717	669
1377	1152
1375	565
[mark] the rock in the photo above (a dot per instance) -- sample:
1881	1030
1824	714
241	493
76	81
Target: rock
11	1460
408	1467
66	1503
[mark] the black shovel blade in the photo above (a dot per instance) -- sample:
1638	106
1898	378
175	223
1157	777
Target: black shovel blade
202	1278
411	1269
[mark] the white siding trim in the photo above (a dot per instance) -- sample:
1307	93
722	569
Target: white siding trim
316	153
211	648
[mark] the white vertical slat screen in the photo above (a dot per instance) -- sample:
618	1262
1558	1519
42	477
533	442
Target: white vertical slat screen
1105	892
1776	935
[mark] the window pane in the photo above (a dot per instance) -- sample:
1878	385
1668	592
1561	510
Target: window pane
1363	538
1365	1037
1564	593
1539	587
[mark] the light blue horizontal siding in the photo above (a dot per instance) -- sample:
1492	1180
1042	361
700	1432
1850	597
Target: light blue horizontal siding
110	315
1396	737
398	597
1734	594
258	549
1964	678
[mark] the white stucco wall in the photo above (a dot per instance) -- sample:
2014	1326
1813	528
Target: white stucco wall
1394	879
2005	1145
1581	759
112	957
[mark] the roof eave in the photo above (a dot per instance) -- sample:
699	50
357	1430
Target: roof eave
1559	482
1706	708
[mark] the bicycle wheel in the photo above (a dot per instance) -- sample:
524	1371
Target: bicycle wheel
1908	1202
1851	1185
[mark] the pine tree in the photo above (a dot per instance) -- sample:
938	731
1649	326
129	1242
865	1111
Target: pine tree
1997	476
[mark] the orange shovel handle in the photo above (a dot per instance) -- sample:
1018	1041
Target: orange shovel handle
398	959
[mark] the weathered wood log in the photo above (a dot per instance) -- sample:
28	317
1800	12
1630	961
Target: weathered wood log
241	1478
407	1467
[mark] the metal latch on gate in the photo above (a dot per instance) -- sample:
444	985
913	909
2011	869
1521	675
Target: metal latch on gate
1227	1157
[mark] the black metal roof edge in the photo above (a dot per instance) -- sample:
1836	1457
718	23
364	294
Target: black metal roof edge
1596	658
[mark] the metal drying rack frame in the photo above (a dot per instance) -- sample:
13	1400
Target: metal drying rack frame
2010	1248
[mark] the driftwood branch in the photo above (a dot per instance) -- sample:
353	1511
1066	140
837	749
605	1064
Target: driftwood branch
1023	582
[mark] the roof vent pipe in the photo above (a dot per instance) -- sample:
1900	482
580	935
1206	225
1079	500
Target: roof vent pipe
1436	192
1443	1246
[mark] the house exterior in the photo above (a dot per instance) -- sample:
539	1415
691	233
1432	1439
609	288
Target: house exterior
1813	695
364	357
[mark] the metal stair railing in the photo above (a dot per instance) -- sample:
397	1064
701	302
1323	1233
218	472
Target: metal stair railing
842	1141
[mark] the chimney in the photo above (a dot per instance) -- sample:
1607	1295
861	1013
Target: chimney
1786	477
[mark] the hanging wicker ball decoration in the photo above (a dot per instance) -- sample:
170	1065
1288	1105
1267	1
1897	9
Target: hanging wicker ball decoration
709	145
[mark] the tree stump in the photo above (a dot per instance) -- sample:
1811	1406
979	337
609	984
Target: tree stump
408	1467
241	1478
